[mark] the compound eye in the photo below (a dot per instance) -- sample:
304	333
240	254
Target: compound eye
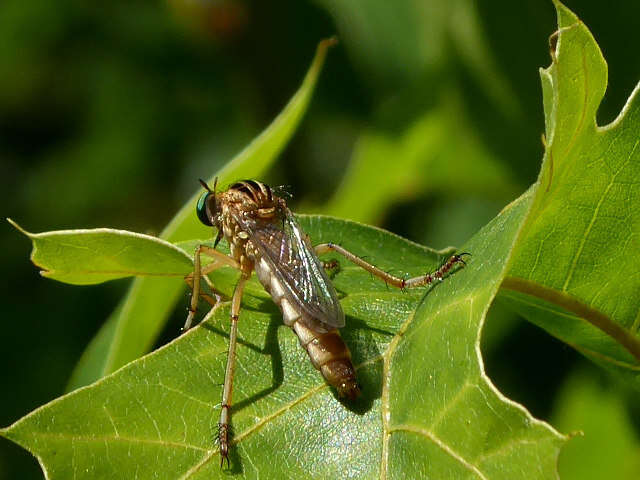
201	209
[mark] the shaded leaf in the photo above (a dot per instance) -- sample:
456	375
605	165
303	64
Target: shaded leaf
404	42
605	444
425	160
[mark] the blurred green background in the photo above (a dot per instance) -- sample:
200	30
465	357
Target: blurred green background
426	121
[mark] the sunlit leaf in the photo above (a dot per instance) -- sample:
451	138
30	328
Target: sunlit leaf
576	267
85	257
427	407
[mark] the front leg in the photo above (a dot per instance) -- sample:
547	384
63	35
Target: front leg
212	300
219	260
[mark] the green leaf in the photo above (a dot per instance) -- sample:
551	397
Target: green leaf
402	42
424	161
605	444
575	269
136	323
427	409
85	257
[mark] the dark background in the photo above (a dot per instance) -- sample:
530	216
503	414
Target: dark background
111	111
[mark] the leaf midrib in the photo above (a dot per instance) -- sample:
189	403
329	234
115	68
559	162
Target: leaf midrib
603	322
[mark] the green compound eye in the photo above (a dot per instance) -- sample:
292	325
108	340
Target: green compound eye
201	209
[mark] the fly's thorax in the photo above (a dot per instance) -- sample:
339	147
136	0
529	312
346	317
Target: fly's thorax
236	238
257	193
246	204
251	200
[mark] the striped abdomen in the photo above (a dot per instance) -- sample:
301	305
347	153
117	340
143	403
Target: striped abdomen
326	349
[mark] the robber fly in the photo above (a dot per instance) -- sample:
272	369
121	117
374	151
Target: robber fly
264	236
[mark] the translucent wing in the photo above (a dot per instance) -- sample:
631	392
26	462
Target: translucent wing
285	248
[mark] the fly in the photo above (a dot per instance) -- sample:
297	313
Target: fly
264	236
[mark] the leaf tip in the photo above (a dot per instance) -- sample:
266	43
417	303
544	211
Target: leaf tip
329	42
18	227
566	17
321	52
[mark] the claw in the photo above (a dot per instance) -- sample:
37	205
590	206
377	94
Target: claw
458	257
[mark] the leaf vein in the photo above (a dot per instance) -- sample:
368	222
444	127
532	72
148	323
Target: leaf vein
186	395
442	445
110	417
153	420
457	396
583	240
121	438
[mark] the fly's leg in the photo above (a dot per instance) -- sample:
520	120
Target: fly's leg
420	281
219	260
225	415
211	300
332	267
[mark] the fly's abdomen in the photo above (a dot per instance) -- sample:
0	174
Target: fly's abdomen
326	349
330	355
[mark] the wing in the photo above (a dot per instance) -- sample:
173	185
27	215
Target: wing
285	248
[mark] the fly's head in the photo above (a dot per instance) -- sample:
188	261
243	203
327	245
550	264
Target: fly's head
208	206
